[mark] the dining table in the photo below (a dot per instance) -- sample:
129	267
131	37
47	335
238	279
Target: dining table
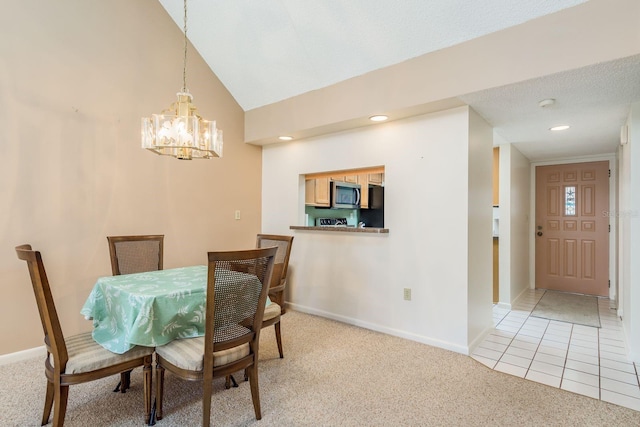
150	308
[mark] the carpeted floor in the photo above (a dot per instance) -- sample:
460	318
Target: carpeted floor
332	375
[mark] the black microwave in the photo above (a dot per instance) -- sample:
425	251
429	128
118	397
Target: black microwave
345	195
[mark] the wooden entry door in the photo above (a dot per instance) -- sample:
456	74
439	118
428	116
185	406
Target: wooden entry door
572	227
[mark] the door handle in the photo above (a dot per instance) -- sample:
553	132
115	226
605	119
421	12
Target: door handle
539	233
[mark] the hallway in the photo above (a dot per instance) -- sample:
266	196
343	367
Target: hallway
580	359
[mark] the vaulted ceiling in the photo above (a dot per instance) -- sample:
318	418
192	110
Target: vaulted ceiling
266	52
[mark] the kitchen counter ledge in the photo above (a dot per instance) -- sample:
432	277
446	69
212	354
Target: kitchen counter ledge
369	230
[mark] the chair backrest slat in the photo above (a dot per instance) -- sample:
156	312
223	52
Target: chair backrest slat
53	337
135	254
283	243
237	285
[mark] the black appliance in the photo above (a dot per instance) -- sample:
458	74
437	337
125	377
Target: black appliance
374	216
331	222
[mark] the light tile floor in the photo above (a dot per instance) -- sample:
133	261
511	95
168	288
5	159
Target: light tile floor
580	359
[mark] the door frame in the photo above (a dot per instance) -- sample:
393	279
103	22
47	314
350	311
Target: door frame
611	158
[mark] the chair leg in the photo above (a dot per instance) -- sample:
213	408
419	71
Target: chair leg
48	403
279	339
61	394
255	390
125	381
159	390
147	375
228	380
206	402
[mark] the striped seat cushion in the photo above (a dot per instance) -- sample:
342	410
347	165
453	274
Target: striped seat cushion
271	311
86	355
188	353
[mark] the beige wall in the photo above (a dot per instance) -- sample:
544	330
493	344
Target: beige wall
76	76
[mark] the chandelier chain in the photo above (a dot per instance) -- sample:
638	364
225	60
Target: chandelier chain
184	68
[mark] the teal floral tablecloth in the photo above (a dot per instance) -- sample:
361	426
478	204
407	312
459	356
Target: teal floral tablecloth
148	309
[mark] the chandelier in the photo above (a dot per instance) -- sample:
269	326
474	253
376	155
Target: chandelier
179	131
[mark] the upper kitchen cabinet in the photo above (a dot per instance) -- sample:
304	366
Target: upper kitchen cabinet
376	178
366	179
316	192
317	185
363	180
345	178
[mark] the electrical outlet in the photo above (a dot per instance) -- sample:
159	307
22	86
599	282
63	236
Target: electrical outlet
237	215
407	294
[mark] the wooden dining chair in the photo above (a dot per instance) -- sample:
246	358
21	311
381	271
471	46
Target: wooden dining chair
76	359
278	281
134	254
275	310
235	304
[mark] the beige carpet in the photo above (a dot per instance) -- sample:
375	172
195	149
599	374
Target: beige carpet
568	307
332	375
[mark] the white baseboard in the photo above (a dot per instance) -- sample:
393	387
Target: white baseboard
19	356
389	331
504	305
522	293
475	343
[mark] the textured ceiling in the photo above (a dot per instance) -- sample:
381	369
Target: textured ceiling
269	50
594	100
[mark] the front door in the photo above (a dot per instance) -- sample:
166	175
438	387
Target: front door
572	227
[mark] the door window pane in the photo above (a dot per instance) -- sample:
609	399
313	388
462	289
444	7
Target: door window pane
570	200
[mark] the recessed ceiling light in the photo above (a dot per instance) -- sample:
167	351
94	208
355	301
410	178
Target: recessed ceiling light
546	102
285	138
378	118
561	127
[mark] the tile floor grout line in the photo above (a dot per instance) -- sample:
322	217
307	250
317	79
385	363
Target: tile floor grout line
538	346
566	356
510	339
511	342
599	362
508	346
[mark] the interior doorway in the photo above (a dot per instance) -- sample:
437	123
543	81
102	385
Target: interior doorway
572	228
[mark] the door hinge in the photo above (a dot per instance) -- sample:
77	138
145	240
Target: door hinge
609	228
609	173
609	283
